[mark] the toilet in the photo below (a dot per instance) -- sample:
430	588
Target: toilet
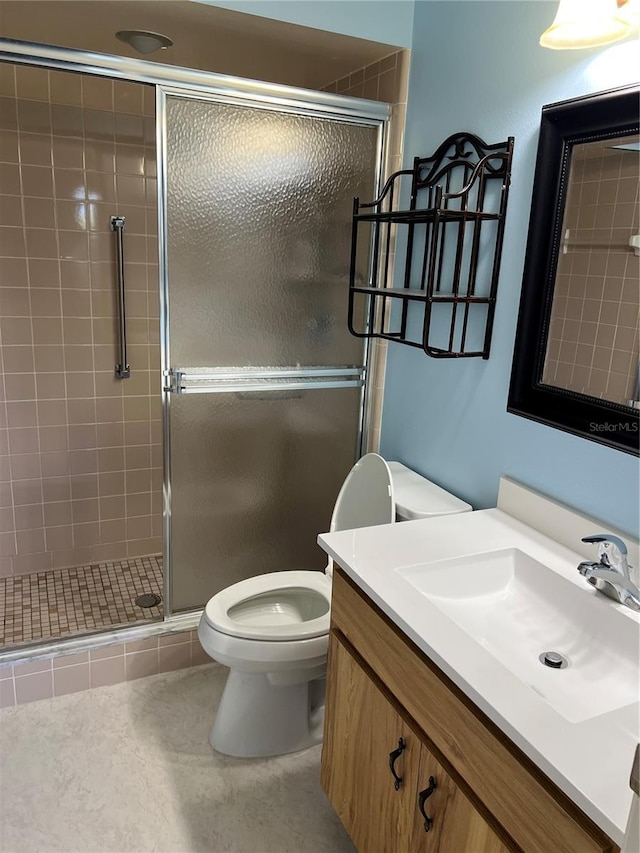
272	630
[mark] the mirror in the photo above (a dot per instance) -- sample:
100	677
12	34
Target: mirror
575	363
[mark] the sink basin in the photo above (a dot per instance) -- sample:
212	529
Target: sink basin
517	608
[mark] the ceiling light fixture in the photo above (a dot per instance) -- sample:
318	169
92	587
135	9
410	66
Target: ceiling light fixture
629	11
143	41
588	23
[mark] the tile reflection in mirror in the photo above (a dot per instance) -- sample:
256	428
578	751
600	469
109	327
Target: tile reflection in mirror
593	334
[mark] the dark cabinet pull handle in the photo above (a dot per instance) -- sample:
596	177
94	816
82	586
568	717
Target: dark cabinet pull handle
423	796
393	757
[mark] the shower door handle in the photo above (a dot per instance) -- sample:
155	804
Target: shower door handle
261	380
122	370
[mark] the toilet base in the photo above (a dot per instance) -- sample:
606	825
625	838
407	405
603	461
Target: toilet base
257	719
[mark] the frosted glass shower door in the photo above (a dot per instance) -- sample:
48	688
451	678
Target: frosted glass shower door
267	382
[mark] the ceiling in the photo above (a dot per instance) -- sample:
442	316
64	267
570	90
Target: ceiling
205	37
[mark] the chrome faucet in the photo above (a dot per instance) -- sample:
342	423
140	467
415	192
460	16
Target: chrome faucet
610	573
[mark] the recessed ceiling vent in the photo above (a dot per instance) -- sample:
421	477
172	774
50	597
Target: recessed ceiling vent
143	41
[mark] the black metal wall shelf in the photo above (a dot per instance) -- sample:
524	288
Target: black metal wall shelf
451	248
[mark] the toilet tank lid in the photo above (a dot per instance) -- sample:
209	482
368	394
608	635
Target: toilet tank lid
417	497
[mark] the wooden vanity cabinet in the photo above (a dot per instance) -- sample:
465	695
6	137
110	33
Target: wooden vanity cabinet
363	730
381	814
488	797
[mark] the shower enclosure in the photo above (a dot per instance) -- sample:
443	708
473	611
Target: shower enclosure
246	400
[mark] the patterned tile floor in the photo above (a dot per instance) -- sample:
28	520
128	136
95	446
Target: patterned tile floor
57	603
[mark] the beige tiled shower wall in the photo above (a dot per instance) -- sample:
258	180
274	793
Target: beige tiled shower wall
386	80
80	451
593	339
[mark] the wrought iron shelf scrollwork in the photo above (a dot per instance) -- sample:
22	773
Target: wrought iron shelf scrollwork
443	299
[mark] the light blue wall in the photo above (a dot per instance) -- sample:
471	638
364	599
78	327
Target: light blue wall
477	66
386	21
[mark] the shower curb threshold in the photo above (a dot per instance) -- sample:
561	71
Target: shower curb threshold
74	645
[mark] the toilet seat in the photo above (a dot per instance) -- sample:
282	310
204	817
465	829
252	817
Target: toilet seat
278	606
295	605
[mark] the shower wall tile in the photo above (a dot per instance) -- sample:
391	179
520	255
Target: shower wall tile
8	146
38	212
8	80
97	92
8	114
73	152
11	211
13	272
35	149
32	82
68	153
65	88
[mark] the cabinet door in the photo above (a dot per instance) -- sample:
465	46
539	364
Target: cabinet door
455	826
361	730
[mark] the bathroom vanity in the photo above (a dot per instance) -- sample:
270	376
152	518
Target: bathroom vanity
436	739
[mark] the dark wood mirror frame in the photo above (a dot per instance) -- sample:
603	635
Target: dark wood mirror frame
607	114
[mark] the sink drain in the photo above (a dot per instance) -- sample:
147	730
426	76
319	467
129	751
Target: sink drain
553	659
148	599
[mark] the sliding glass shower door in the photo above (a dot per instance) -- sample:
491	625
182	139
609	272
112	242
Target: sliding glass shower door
265	399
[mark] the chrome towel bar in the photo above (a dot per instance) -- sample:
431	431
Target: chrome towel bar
185	380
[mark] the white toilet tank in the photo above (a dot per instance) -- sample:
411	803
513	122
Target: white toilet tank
417	497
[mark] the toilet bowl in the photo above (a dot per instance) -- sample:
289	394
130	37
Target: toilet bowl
272	630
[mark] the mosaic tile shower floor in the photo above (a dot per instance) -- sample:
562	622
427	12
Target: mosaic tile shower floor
52	604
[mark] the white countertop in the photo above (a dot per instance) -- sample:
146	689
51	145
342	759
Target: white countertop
589	760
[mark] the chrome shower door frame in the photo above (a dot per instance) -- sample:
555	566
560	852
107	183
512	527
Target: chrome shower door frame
276	99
